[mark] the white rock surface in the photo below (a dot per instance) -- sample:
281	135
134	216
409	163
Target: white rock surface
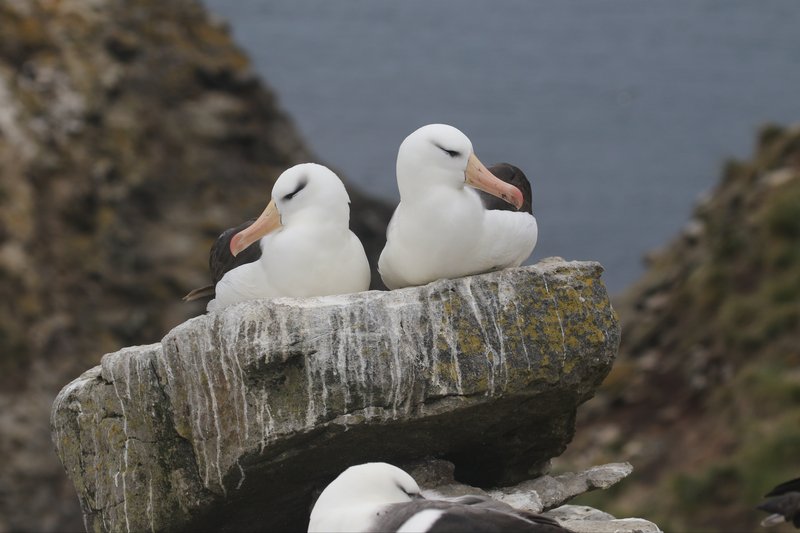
582	519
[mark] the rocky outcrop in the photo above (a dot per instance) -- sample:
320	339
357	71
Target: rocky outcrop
550	492
703	397
235	419
435	477
131	133
583	519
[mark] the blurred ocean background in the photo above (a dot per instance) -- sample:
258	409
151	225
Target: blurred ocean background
621	112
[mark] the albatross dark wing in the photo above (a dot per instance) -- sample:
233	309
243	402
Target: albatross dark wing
468	514
513	175
221	260
484	520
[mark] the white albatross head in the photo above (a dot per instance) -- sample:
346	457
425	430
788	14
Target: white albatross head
305	193
364	486
441	155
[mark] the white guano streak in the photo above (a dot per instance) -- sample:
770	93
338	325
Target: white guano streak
127	439
217	426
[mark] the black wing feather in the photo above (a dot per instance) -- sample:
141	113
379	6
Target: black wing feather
792	485
486	520
469	514
784	500
786	505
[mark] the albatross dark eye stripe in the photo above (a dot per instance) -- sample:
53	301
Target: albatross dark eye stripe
451	153
299	188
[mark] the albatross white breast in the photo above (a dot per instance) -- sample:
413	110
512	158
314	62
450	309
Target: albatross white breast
441	228
301	244
382	497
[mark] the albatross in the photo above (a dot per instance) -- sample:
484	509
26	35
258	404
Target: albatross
382	497
300	246
442	228
784	503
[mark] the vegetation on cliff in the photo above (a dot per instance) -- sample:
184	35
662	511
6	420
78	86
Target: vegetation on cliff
704	399
131	134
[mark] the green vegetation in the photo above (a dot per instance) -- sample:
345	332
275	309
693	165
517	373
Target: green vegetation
707	384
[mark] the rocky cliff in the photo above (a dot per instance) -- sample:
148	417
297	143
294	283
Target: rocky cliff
705	396
131	133
235	419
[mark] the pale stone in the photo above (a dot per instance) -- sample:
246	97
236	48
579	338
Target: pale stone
582	519
235	419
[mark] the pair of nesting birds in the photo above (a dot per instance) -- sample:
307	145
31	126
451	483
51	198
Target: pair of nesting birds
301	245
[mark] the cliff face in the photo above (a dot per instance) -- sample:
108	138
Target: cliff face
235	419
131	134
705	397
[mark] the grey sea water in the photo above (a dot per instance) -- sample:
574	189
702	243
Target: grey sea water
620	111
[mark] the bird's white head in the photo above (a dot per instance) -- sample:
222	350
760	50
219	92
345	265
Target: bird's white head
311	191
369	484
305	193
441	155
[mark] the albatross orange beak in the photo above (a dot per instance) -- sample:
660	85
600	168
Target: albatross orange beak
269	221
478	176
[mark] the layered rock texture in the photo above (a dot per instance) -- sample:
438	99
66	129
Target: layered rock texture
131	133
705	396
235	419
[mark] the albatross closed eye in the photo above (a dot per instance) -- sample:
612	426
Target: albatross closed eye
299	188
451	153
411	493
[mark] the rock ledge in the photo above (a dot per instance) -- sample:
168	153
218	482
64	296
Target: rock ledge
235	419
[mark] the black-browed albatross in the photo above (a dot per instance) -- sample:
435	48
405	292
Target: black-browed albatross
784	503
381	497
300	246
441	228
